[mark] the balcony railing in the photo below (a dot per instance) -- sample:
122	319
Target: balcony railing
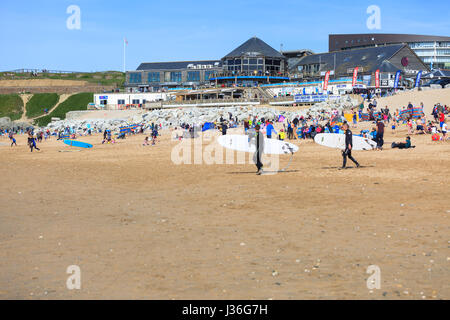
209	101
251	74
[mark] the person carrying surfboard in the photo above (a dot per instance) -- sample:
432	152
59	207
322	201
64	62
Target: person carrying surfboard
259	141
348	146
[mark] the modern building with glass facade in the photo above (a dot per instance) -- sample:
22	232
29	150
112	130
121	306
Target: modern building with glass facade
433	50
155	76
252	63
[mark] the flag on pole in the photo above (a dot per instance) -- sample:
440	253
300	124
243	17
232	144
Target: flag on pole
125	43
397	79
377	78
419	76
327	79
355	76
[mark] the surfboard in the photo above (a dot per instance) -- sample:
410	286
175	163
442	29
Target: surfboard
242	143
78	144
337	140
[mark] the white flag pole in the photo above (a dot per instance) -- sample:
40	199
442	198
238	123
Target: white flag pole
124	53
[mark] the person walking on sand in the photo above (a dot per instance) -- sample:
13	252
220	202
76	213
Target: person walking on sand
269	130
13	140
348	147
154	135
444	131
380	135
32	142
259	137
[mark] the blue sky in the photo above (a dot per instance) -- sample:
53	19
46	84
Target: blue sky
34	33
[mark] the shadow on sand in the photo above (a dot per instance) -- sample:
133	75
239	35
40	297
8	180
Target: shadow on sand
265	172
349	167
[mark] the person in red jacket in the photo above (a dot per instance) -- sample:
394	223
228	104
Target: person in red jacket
441	119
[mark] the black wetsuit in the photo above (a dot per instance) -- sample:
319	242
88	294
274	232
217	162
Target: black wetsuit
259	150
348	152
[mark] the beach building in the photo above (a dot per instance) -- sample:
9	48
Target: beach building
157	76
253	63
433	50
342	64
118	101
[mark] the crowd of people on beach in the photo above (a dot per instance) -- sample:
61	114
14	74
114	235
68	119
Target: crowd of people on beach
281	128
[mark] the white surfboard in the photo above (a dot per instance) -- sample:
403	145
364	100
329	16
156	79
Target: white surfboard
336	140
242	143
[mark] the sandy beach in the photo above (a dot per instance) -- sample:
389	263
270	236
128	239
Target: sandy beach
141	227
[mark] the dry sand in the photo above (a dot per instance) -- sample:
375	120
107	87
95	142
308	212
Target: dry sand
428	97
141	227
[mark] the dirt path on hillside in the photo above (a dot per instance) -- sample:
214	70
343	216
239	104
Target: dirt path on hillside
62	98
25	98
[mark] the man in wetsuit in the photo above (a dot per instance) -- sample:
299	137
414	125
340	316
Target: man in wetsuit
380	135
348	146
259	149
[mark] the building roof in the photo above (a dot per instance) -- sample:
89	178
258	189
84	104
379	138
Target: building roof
297	53
176	65
440	73
345	41
370	59
254	47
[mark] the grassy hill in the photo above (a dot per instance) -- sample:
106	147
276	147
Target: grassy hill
40	101
76	102
107	78
11	105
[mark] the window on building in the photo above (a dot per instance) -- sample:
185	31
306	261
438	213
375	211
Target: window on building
193	76
121	101
135	78
153	77
135	101
175	77
209	74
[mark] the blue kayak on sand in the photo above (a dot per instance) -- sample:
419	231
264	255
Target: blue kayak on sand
78	144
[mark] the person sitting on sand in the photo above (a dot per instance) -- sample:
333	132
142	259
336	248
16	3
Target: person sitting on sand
373	134
420	126
146	142
403	145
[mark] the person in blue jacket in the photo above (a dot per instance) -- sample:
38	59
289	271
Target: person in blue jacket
269	130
